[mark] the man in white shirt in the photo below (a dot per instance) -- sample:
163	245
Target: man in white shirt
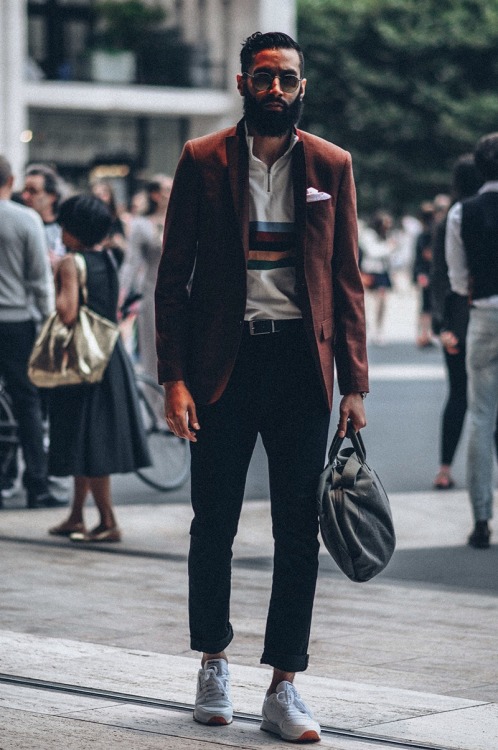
472	257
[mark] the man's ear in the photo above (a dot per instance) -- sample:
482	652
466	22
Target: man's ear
241	84
303	88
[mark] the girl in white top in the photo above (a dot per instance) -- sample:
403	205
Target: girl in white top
376	247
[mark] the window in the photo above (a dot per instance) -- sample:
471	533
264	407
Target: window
58	32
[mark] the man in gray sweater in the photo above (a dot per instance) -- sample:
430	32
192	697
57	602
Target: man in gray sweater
25	280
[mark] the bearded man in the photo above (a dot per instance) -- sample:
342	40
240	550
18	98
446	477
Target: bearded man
258	294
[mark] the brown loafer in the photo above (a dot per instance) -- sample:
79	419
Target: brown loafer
66	529
98	535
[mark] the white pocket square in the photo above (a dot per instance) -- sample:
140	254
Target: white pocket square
312	195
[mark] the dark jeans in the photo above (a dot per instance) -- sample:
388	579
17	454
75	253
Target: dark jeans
16	342
274	391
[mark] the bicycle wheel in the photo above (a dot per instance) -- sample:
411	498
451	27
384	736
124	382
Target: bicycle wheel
9	440
169	454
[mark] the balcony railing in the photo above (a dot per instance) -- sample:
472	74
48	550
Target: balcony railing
163	59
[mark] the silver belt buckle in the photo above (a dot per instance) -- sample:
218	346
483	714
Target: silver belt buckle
252	324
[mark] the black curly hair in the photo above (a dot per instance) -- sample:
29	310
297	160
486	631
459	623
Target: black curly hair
85	217
486	156
271	40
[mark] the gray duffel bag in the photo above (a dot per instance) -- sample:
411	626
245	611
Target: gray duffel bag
354	512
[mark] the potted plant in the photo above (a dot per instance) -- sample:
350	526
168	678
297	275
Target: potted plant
120	28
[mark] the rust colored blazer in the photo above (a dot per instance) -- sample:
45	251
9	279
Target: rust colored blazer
201	284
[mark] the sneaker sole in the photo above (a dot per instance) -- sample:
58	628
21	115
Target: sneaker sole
309	735
213	721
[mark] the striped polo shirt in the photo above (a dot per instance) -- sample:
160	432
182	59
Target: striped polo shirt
271	268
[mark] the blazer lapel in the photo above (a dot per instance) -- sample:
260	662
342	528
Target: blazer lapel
238	175
299	182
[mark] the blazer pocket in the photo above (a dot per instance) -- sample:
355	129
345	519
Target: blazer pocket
327	327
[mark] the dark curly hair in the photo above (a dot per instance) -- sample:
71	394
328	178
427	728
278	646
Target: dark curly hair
85	217
486	156
271	40
466	178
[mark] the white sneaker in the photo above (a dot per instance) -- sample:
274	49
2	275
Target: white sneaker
213	704
286	714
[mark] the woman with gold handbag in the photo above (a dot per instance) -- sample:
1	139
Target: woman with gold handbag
95	427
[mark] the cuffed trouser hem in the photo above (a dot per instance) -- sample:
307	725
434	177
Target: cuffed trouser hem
285	663
211	647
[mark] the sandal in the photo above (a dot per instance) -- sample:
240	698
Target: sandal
99	534
66	529
443	481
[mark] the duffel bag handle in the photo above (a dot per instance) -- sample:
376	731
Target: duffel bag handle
356	440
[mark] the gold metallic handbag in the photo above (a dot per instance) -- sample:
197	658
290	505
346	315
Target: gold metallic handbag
65	355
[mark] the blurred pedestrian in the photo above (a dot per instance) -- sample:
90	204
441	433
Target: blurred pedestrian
25	284
450	315
42	192
431	214
95	429
377	244
258	293
421	273
472	258
131	277
146	239
115	240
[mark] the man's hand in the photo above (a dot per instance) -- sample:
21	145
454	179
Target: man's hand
179	410
351	407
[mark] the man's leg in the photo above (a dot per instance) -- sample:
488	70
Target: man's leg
482	371
220	459
16	342
295	437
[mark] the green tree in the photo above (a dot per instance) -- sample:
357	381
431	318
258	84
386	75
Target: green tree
405	85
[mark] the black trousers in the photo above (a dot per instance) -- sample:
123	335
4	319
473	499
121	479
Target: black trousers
274	391
16	342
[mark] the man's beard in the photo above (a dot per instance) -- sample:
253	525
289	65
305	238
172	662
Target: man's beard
271	122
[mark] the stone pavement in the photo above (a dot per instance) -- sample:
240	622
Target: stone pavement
406	660
409	657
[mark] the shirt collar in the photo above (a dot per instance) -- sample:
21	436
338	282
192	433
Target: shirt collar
250	141
491	186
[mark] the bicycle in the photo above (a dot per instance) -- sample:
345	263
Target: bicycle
170	455
9	438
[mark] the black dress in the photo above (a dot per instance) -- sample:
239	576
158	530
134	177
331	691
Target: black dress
96	429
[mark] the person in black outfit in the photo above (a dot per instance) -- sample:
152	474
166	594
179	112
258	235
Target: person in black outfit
421	272
95	429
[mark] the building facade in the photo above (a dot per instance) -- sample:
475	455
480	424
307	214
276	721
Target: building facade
66	99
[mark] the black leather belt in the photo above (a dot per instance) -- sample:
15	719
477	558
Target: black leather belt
262	327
